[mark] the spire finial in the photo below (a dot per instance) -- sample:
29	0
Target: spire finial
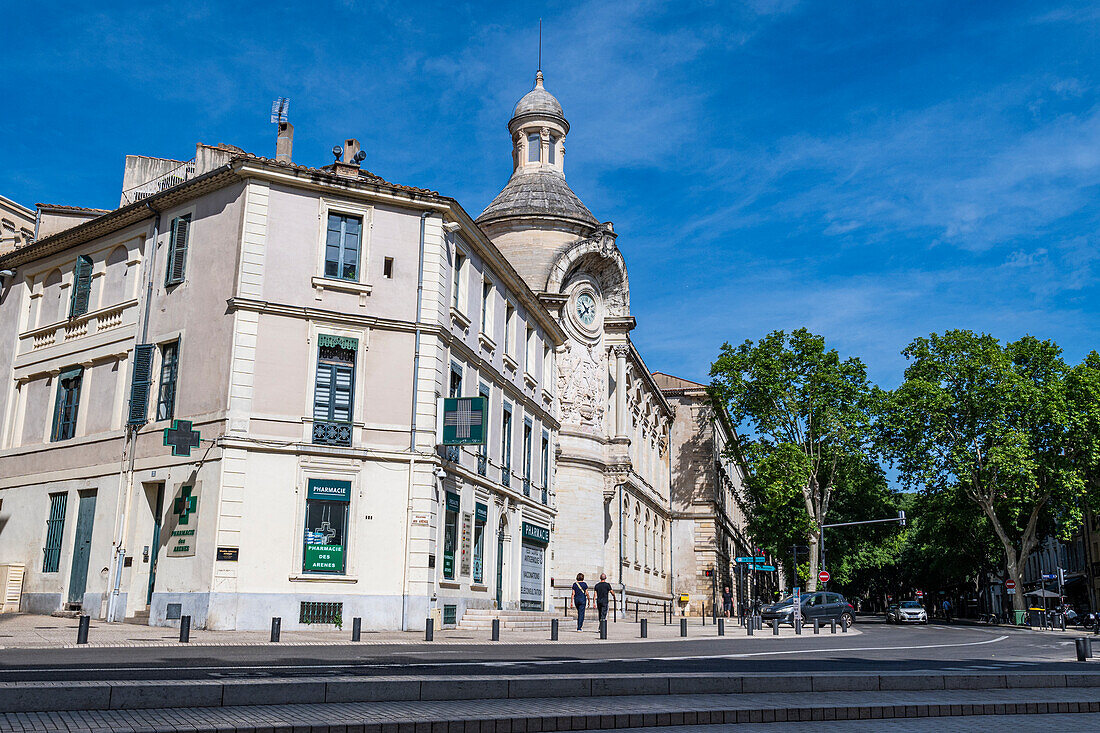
540	45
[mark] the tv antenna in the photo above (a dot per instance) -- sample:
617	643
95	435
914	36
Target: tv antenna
279	108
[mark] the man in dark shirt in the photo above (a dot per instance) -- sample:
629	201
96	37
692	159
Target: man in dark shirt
727	601
603	588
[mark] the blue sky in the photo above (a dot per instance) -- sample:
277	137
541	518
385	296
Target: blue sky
873	171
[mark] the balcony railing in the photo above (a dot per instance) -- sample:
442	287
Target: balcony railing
482	464
452	453
331	433
505	476
97	321
181	173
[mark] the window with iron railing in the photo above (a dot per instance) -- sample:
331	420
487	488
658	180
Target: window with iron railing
334	391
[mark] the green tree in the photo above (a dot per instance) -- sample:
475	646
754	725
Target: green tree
806	409
1012	429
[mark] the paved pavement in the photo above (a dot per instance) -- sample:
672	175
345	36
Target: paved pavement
1063	723
551	714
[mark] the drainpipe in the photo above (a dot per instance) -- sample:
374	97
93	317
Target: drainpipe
126	472
412	422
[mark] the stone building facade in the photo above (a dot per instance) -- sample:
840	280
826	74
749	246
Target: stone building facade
307	324
613	458
709	518
16	225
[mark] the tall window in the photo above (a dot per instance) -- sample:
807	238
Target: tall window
547	367
527	457
450	535
334	390
486	294
544	464
177	250
342	247
509	330
326	526
82	287
456	381
460	268
529	356
169	367
534	145
482	450
481	515
68	402
506	446
55	530
552	150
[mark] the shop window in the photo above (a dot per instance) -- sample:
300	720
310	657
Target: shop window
450	535
481	516
325	541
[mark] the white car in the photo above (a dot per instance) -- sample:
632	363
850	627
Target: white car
910	612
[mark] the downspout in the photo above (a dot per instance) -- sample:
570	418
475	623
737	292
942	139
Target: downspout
412	423
126	474
671	522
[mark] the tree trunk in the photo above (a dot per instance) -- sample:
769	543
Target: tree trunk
815	549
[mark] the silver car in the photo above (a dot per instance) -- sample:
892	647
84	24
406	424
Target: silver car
910	612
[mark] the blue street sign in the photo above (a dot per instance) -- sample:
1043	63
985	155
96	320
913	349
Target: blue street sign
750	559
1049	576
765	568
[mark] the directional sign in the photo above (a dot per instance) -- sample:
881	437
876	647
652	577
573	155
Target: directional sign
1049	576
750	559
824	576
765	568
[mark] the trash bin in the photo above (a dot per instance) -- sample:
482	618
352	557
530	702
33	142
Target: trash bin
1019	618
1037	617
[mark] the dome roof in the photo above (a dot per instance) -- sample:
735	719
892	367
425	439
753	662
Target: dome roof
542	194
538	101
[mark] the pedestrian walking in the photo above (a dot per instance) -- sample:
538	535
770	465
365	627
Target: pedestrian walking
947	610
727	602
580	599
603	588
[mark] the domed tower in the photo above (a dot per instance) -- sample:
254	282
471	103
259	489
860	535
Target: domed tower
607	462
537	215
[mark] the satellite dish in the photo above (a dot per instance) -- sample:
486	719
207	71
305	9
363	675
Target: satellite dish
279	109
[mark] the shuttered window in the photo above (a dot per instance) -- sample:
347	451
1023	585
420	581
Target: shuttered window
177	250
334	390
55	530
68	402
140	382
169	367
342	247
82	287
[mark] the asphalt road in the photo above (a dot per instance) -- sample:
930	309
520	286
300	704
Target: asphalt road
879	648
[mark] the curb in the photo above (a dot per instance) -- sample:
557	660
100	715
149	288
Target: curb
169	694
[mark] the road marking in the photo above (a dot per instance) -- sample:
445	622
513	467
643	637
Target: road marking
512	663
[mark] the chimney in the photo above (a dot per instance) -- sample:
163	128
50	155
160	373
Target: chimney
285	142
348	164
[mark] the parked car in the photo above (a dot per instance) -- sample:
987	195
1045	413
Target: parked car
823	606
906	612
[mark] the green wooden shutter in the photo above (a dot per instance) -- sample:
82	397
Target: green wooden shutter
82	287
177	250
140	383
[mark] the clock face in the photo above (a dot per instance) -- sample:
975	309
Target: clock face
586	309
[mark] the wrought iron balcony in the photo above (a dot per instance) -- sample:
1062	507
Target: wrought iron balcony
505	476
331	433
482	464
526	486
452	453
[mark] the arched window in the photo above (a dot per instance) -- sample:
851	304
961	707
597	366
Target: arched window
637	521
534	147
53	307
645	541
553	149
115	288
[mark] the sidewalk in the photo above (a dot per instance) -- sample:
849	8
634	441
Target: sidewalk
28	631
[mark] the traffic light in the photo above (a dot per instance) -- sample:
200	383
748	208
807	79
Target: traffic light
901	517
708	572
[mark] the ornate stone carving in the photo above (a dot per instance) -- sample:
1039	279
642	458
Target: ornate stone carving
581	387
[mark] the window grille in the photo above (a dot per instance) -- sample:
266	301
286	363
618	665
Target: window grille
450	615
334	391
55	530
316	612
169	367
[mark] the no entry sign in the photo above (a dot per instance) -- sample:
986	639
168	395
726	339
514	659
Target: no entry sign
823	576
1010	584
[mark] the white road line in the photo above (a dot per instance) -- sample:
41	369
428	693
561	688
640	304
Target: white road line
509	663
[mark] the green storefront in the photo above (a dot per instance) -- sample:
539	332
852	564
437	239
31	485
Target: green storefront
326	525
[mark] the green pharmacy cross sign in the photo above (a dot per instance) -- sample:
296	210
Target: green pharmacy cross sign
185	505
181	437
465	420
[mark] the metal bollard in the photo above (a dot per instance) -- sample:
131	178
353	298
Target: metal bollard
643	629
496	629
750	626
798	626
429	629
832	622
1062	621
683	627
721	627
1088	646
276	628
603	628
704	614
553	629
636	604
844	624
185	629
82	629
1082	652
356	628
817	626
775	627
